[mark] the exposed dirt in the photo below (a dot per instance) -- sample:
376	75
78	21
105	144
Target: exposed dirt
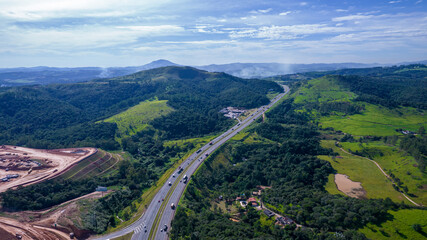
30	166
28	231
53	223
350	188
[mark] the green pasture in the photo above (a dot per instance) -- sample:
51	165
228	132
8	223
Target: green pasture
136	118
378	121
399	227
398	162
322	90
361	170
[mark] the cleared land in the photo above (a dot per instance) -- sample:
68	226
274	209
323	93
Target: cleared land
51	163
136	118
50	224
397	162
98	164
350	188
378	121
364	171
399	226
322	90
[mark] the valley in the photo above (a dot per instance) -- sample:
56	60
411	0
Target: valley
329	147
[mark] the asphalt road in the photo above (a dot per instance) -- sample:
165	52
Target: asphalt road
159	213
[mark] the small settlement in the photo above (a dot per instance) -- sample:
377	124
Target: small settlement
232	112
257	204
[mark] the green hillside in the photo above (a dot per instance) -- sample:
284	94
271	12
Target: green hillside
400	226
160	116
136	118
329	125
335	107
378	121
55	116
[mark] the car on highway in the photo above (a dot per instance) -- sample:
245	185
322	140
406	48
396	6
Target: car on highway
172	206
170	184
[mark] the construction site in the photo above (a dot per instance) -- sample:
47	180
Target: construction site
21	166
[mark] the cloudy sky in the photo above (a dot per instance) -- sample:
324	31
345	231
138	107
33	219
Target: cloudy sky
196	32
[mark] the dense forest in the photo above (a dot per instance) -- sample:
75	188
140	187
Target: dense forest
284	160
388	86
56	116
64	115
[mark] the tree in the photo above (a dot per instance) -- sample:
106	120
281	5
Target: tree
417	227
421	130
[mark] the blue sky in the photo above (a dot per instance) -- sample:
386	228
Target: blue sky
196	32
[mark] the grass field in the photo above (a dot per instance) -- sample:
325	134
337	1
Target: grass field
137	117
400	227
100	163
322	90
364	171
399	163
377	121
83	164
331	187
198	142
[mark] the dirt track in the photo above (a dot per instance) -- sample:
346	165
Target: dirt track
59	161
39	224
30	232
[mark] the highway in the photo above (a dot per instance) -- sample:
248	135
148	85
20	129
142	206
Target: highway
151	225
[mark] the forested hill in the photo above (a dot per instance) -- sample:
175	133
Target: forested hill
404	85
64	115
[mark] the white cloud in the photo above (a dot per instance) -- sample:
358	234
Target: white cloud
203	42
265	10
285	13
303	3
210	28
80	38
341	10
351	18
154	30
392	2
262	11
41	9
285	32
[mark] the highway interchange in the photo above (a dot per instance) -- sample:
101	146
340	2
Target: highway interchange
159	214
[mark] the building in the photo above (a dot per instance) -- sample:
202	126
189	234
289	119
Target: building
101	189
253	202
268	213
284	220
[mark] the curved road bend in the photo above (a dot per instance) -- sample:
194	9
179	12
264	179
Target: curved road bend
159	213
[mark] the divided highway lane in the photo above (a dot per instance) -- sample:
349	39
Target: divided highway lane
159	213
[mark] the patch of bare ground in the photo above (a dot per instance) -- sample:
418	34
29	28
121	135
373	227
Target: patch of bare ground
348	187
21	166
29	231
53	223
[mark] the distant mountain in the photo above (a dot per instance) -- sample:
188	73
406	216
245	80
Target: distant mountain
122	71
414	62
48	75
257	70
